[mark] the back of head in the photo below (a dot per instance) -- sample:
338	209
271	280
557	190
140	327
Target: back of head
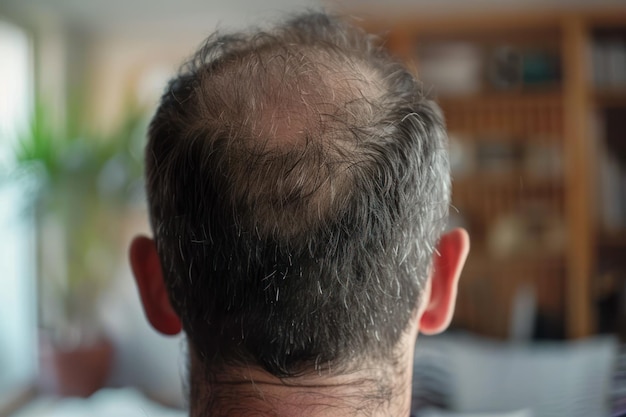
297	184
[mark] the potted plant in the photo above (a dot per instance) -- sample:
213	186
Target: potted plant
84	181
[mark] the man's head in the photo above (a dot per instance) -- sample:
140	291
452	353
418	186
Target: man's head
298	187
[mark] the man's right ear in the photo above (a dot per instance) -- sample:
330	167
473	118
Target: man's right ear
146	267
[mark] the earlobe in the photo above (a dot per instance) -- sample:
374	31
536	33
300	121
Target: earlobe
146	267
448	263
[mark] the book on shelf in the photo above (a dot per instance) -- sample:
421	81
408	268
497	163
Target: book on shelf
609	63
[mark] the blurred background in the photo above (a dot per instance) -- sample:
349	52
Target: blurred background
534	94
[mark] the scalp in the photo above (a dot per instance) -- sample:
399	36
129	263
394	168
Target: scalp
297	126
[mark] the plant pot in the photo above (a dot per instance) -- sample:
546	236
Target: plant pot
78	371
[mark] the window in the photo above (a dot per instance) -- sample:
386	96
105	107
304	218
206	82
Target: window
18	306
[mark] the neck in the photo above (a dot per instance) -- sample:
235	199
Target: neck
373	389
254	392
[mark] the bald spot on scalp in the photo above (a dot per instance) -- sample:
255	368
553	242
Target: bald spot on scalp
297	128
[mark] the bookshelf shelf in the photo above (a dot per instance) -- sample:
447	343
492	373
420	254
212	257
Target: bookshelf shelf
520	182
615	239
607	97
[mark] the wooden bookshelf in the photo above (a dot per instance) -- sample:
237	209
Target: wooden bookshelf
609	97
555	115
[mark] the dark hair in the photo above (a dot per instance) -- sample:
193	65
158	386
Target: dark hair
298	182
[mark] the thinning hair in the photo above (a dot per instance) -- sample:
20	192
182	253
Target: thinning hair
298	182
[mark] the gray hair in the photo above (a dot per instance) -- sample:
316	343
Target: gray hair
297	182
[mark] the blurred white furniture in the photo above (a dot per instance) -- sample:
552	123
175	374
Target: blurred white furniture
126	402
552	379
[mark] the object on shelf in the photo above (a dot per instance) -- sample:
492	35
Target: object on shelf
495	155
610	294
609	62
462	156
452	68
513	68
543	159
541	68
523	314
532	230
613	193
612	170
505	69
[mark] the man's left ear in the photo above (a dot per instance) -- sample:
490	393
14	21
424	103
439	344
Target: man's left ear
146	266
448	263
